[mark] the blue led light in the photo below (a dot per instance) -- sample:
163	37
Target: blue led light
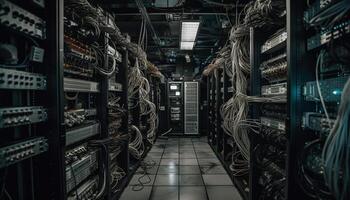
336	92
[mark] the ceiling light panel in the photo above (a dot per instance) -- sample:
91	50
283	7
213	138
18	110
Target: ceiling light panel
186	45
189	31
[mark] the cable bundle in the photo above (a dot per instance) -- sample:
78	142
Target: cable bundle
153	70
264	12
328	17
136	146
117	174
336	151
235	110
115	113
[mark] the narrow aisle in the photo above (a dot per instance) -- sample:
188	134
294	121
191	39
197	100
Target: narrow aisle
181	169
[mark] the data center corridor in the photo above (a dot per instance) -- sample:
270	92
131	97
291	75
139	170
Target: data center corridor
181	169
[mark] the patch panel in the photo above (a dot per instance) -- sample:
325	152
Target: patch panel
22	150
18	80
77	85
331	89
317	122
274	90
269	62
17	116
277	39
78	117
75	154
273	123
86	190
327	35
78	171
21	20
113	86
80	134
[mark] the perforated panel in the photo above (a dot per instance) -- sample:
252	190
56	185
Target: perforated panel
191	108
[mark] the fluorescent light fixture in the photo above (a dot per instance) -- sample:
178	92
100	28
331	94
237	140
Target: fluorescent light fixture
173	87
186	45
189	31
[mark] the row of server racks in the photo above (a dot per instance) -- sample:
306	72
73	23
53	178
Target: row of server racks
292	64
67	121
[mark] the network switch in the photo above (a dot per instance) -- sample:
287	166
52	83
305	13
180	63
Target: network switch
17	18
113	86
78	171
279	89
86	190
273	123
77	85
317	122
18	80
17	116
80	134
327	35
22	150
331	89
277	39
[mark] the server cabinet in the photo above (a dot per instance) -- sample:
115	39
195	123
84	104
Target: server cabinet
176	108
191	108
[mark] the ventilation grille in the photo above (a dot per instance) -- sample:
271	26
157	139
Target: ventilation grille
191	108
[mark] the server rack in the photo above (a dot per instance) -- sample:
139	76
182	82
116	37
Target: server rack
301	107
191	110
48	171
176	109
33	167
219	91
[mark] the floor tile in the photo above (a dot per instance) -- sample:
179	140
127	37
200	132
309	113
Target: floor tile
164	192
159	145
169	179
168	169
188	161
155	154
208	161
193	193
217	179
185	180
203	150
206	155
187	155
147	169
187	152
143	194
223	193
170	155
213	169
194	169
150	161
169	161
145	180
171	151
156	150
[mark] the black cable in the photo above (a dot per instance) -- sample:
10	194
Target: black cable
3	182
8	195
145	166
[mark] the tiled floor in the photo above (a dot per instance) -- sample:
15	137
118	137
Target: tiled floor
181	169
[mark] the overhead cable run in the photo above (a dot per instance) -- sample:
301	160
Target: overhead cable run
145	15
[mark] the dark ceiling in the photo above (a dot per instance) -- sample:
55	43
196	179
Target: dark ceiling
166	16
